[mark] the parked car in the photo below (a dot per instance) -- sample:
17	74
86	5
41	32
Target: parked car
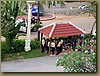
35	10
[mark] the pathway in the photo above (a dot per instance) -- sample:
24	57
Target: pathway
40	64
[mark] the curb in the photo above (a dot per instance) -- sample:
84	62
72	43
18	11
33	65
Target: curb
49	18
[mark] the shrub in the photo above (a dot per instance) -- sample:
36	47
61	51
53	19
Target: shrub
18	46
37	26
78	62
81	48
35	44
4	47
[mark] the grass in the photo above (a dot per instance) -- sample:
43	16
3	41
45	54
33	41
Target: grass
23	55
22	34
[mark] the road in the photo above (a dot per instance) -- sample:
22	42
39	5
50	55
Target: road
40	64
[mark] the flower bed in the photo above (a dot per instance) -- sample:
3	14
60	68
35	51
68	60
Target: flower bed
78	62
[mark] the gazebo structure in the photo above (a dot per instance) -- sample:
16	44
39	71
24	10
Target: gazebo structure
61	29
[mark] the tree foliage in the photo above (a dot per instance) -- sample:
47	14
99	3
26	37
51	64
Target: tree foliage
9	12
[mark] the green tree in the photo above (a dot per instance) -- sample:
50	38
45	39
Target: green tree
22	7
53	3
9	28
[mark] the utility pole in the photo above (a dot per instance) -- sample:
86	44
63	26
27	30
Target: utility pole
38	19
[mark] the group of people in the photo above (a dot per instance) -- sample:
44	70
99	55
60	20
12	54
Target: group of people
54	47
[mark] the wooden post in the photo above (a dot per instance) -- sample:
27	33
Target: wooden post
41	39
38	20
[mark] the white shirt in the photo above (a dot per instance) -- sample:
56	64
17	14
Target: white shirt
61	42
82	35
58	44
48	43
52	44
43	42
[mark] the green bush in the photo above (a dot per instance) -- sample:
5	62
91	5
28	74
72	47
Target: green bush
78	62
18	46
4	47
37	26
81	48
35	44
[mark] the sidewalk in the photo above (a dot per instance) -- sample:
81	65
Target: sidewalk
40	64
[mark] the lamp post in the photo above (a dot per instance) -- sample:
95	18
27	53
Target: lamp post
27	40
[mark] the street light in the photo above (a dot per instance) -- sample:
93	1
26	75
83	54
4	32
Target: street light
27	40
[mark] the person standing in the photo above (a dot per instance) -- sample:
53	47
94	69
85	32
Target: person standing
58	48
52	47
55	41
82	39
61	44
43	45
47	45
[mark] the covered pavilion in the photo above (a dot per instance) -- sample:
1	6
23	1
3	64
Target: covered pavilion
61	29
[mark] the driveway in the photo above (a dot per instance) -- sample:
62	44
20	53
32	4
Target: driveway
83	22
40	64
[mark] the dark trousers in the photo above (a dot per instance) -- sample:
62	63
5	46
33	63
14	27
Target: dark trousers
47	49
59	50
73	47
43	47
52	50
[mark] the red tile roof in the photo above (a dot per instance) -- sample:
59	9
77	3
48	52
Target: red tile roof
60	30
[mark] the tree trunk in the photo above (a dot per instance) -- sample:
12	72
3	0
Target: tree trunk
38	35
38	14
9	41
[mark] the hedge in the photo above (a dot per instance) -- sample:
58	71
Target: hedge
18	46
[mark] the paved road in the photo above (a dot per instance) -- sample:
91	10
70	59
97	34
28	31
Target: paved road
40	64
83	22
